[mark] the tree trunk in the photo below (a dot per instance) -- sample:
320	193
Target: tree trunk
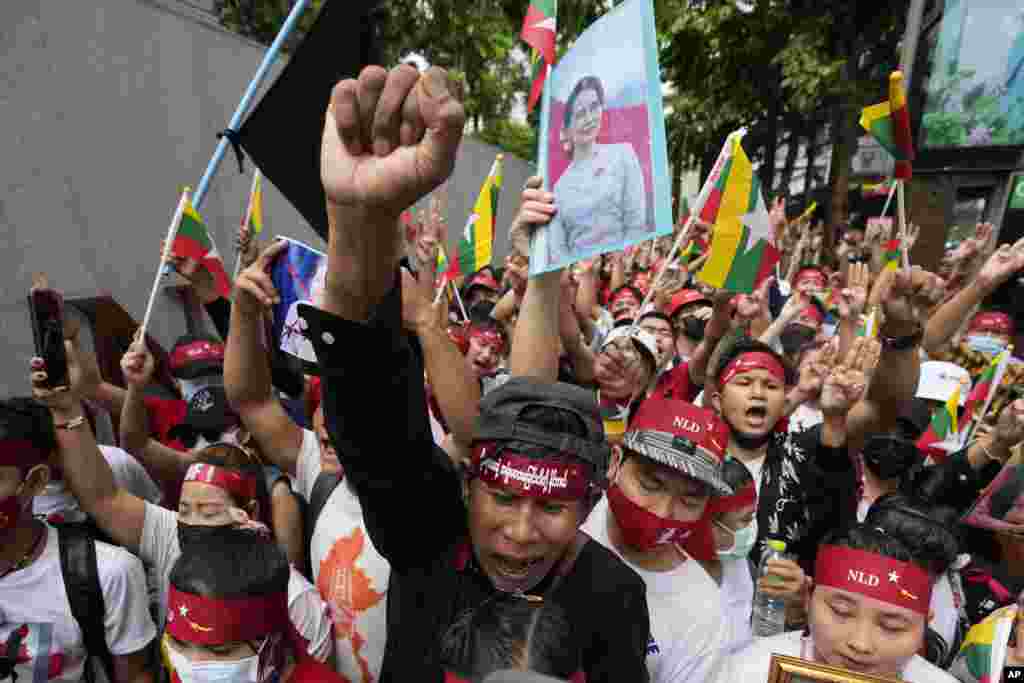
792	148
843	148
811	154
767	171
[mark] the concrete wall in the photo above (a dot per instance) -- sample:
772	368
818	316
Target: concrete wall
108	107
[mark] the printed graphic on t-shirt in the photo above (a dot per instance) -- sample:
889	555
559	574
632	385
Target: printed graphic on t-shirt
348	591
35	660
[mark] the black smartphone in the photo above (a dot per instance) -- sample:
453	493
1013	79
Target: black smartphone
46	308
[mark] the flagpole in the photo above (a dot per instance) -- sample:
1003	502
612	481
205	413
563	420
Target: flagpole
458	297
888	200
243	106
996	381
245	222
701	200
902	212
171	233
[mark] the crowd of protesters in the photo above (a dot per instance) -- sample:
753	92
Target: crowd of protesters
575	474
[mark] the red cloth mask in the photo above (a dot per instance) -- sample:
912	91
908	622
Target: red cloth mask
645	530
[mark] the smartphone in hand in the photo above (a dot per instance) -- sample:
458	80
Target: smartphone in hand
46	309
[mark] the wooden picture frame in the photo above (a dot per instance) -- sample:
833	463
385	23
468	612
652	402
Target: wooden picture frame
783	669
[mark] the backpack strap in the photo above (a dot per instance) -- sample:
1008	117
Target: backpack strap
323	487
85	594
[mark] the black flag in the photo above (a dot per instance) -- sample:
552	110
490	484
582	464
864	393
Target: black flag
282	135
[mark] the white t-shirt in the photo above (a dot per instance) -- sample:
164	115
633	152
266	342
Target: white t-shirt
160	547
688	629
754	467
129	474
349	572
752	662
35	599
738	598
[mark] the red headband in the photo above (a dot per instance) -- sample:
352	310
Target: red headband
238	484
813	312
21	453
810	274
1000	323
898	583
745	497
215	621
752	360
488	337
198	350
534	477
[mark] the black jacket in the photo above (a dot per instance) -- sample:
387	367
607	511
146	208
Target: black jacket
375	410
807	490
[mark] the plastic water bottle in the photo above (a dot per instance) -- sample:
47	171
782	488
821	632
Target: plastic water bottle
769	614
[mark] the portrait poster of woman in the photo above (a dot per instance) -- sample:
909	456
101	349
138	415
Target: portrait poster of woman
1000	507
784	669
602	144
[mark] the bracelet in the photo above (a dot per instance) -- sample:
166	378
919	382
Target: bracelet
73	423
986	451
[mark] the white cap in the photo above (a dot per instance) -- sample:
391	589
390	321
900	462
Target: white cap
940	379
643	340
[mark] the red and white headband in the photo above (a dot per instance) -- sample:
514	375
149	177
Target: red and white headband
533	477
900	584
214	621
752	360
239	484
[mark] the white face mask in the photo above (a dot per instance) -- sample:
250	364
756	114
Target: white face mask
743	540
244	670
984	343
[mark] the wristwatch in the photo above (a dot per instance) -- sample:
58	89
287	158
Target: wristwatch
904	343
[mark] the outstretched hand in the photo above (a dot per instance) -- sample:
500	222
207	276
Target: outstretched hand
848	380
390	137
536	209
1001	265
254	288
137	364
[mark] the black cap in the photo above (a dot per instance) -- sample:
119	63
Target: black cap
342	41
518	676
208	410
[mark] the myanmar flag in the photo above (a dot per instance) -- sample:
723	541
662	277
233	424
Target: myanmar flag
742	250
891	255
944	423
889	123
869	190
869	328
475	247
538	32
988	380
191	240
255	213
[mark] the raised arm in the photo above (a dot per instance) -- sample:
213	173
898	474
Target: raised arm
535	343
118	513
948	317
455	387
389	139
717	327
167	464
247	378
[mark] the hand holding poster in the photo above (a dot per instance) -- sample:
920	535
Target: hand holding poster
1001	505
298	274
602	147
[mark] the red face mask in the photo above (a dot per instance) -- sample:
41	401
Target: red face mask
645	530
10	512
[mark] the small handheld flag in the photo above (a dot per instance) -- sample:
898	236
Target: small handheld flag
539	32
